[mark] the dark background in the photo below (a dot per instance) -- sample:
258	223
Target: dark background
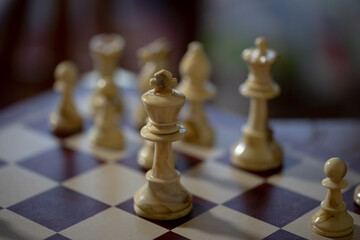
318	41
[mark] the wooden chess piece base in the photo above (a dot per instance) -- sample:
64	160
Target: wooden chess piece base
145	155
111	140
341	222
256	151
357	195
62	127
198	134
139	117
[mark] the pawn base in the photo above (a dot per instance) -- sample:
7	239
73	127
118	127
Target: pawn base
256	153
63	128
161	199
198	134
145	157
111	140
332	224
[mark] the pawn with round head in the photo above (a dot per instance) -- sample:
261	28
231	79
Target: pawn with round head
65	120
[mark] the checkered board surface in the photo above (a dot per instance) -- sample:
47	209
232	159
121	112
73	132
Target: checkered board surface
53	188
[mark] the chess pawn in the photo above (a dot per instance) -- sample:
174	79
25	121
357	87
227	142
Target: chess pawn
163	197
105	51
357	195
195	71
105	132
257	151
65	120
152	57
332	220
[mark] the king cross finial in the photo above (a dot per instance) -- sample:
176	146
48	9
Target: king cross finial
163	82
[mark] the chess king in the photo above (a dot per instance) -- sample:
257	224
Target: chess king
257	151
163	197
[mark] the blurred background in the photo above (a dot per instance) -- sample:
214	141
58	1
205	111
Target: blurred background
318	41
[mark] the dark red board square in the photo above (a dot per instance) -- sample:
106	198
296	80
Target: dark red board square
171	235
272	204
57	237
183	162
200	206
58	208
288	162
61	163
348	197
282	234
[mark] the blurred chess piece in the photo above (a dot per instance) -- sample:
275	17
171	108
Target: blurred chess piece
105	132
152	57
357	195
195	71
257	151
106	50
333	220
163	197
65	120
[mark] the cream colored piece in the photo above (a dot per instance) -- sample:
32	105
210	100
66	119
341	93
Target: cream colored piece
195	71
332	220
105	132
65	120
357	195
145	156
105	51
163	197
257	151
152	57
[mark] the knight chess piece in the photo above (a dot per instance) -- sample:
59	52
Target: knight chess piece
65	120
105	132
257	151
105	50
195	71
163	197
332	220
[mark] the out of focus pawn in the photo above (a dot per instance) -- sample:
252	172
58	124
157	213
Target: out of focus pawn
65	120
105	132
195	71
357	195
145	156
333	220
152	58
105	50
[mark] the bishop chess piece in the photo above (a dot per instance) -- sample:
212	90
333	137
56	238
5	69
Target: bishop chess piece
65	120
105	132
195	71
257	151
153	58
163	197
332	220
105	50
357	195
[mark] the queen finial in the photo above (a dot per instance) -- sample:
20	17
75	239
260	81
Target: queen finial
261	45
163	82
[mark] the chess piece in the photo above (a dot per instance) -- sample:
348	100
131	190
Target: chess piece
152	57
195	70
105	132
65	120
105	50
357	195
257	151
163	197
332	220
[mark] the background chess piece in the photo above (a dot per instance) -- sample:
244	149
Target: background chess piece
105	132
357	195
65	120
257	151
163	197
195	71
332	220
152	57
105	51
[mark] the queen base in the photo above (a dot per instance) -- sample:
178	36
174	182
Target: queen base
162	199
341	223
256	152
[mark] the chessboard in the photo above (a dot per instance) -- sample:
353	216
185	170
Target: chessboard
62	188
